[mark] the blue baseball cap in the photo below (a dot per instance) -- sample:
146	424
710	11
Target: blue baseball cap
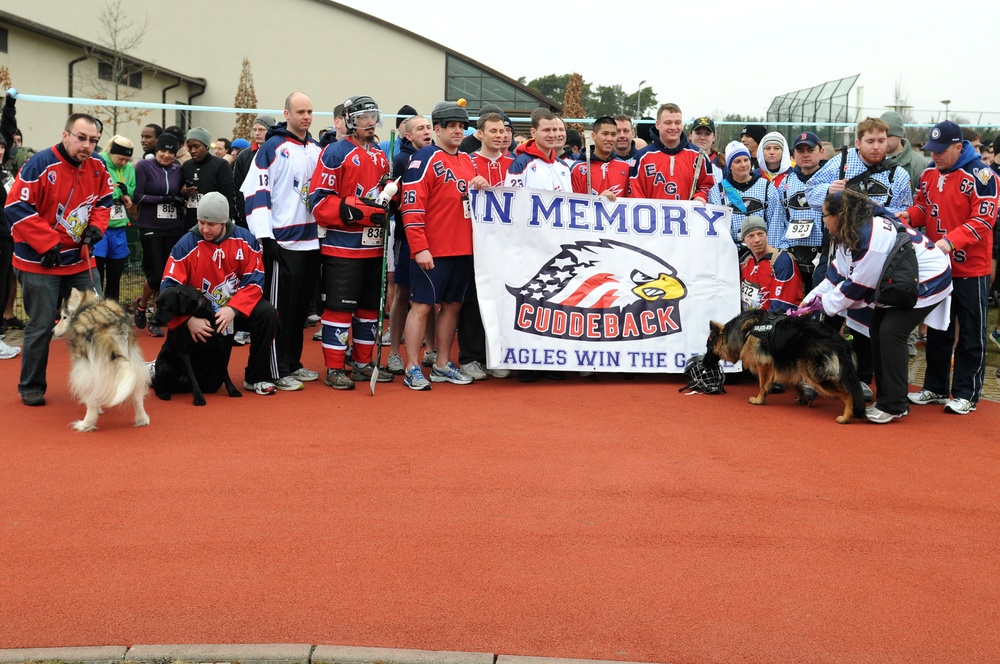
807	138
241	144
943	135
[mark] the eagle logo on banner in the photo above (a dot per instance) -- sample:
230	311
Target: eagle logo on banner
601	291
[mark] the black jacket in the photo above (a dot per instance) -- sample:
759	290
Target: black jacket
212	174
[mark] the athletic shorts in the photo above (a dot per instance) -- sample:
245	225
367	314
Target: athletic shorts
447	282
350	284
401	250
113	245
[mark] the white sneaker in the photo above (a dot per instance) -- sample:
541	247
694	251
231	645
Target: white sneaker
924	397
305	375
878	416
498	373
474	370
8	352
263	388
959	407
288	384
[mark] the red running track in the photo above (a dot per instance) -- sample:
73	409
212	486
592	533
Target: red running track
608	520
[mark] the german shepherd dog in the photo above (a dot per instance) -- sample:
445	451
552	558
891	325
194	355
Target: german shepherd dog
107	363
184	365
790	350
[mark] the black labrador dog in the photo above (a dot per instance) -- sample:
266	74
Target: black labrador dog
183	364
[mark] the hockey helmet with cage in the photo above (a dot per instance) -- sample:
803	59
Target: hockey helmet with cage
358	106
448	111
704	376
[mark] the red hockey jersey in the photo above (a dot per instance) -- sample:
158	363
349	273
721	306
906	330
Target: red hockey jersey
436	213
51	202
493	170
668	173
345	169
604	175
960	205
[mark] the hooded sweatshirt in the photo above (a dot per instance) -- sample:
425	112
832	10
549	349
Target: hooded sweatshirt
276	190
124	175
532	169
960	205
668	173
786	161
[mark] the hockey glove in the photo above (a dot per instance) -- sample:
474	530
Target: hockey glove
91	236
52	258
269	247
361	211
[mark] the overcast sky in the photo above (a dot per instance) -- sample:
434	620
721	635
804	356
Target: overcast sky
720	56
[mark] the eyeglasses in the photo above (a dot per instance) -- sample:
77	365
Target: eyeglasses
83	138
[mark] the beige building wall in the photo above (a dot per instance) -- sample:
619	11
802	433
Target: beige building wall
312	46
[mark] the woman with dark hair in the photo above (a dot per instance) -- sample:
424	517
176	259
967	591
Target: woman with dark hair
864	236
161	218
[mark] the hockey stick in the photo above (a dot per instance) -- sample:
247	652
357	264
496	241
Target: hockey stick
588	159
388	191
699	163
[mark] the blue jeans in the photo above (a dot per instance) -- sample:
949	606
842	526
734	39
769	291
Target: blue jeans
43	294
968	311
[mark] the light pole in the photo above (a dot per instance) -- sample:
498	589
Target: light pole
638	100
945	102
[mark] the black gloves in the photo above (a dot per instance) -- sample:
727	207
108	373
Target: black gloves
52	258
122	190
364	211
91	236
269	247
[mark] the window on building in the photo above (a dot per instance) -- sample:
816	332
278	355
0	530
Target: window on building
105	71
463	79
3	40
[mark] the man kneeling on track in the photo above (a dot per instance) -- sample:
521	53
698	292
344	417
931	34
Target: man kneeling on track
223	261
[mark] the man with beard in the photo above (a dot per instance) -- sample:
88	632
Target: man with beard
345	184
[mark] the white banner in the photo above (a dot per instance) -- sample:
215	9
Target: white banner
569	282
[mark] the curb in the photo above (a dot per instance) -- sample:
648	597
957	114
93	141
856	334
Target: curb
81	655
350	655
244	654
287	653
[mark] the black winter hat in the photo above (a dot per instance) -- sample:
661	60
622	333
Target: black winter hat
754	131
405	113
168	141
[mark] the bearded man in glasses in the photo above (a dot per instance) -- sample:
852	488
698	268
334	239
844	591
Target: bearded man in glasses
60	202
